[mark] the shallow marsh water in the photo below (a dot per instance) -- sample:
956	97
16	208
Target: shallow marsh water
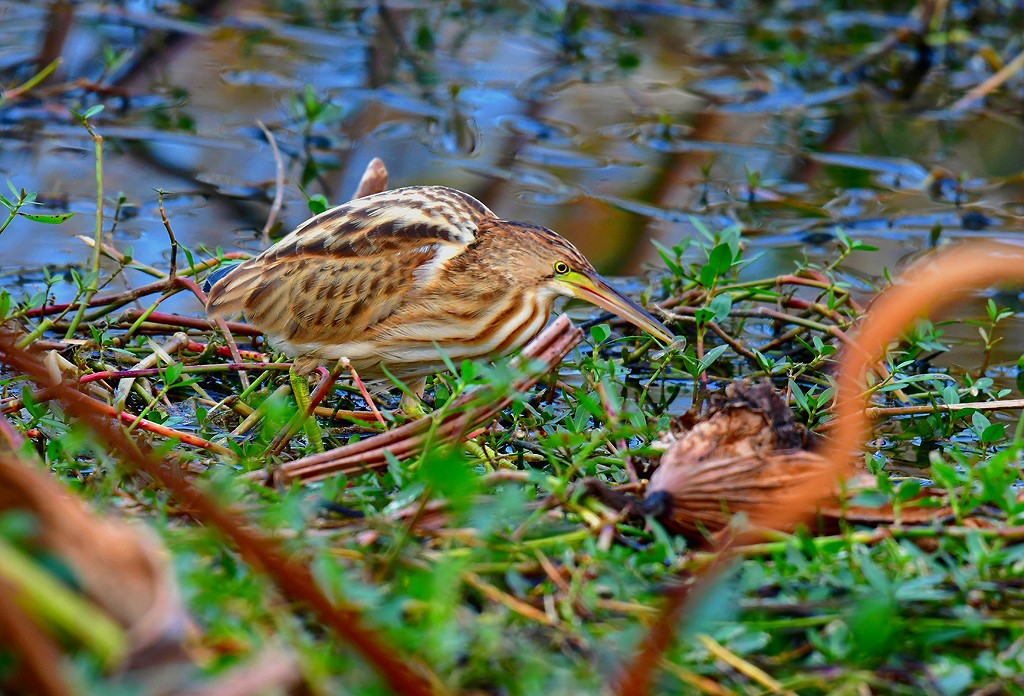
618	124
614	124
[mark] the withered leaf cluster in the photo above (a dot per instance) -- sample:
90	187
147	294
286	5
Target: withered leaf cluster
744	456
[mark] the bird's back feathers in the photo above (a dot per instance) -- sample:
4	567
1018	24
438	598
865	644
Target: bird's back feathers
335	268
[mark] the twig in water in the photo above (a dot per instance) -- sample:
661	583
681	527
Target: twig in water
170	233
275	207
990	84
94	275
110	252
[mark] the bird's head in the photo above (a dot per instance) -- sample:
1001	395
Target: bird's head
562	269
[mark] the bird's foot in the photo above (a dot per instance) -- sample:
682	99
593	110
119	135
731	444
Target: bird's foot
412	399
300	388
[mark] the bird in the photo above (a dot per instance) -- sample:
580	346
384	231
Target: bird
398	281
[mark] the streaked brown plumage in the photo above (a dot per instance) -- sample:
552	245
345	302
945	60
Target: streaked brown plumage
392	277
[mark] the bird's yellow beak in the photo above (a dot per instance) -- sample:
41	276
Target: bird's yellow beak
596	290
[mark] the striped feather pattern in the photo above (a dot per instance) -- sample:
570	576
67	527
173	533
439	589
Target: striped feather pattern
390	277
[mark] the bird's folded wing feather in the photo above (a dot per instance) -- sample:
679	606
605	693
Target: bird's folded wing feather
349	268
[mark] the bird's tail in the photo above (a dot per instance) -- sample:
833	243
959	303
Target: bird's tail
216	276
228	289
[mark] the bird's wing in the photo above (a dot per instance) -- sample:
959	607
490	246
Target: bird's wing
347	269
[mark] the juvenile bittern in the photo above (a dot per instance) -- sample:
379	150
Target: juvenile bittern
400	277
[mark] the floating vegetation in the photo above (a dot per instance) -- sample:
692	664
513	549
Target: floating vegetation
814	489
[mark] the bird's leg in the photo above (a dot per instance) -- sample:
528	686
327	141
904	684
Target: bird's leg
412	398
366	394
305	416
300	388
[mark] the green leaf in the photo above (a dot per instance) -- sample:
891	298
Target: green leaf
884	483
317	203
993	433
875	625
5	304
425	38
908	490
92	111
721	306
945	475
766	363
48	219
709	358
581	418
699	225
668	257
732	237
600	333
35	409
37	300
311	103
629	61
822	348
703	315
799	397
173	373
875	499
689	361
450	475
861	246
719	261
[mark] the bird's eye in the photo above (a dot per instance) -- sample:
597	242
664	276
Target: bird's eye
561	267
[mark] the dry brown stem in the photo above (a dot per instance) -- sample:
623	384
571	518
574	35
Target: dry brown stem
38	654
275	207
936	282
294	579
740	458
466	413
991	84
121	567
932	284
